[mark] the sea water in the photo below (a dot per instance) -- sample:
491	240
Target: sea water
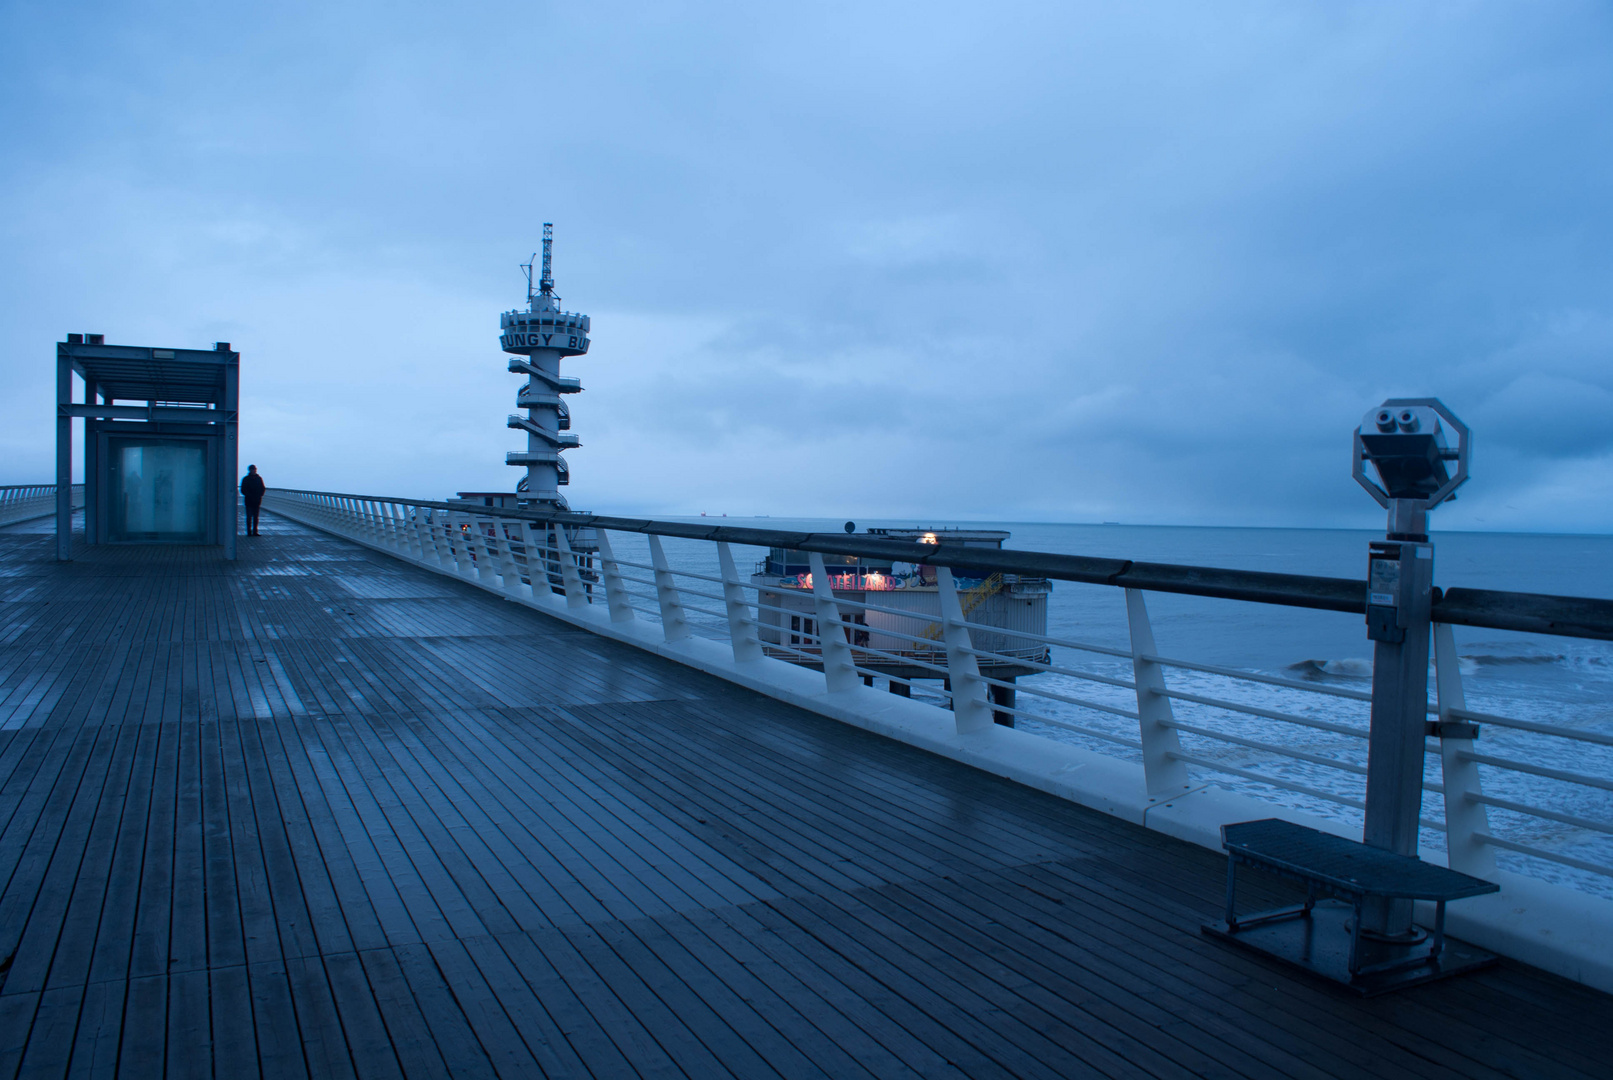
1554	680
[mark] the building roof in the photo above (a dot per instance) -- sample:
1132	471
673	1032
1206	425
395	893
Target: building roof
140	373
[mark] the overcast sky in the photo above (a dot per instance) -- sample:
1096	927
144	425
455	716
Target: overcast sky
1061	262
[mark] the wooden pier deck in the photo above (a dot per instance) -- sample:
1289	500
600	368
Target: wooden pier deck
320	813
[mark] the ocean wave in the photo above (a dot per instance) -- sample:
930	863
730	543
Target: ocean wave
1493	660
1352	668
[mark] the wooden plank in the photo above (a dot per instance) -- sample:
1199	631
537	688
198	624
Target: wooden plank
187	947
498	1037
50	1037
274	1017
50	860
145	1027
17	1013
324	1045
100	1031
154	919
190	1026
225	941
723	1020
61	927
407	1031
450	1029
582	997
821	971
363	1029
1176	961
809	1025
234	1034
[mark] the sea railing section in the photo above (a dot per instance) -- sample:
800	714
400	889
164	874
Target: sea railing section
23	502
1542	791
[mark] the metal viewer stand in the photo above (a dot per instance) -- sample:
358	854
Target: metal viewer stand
1372	944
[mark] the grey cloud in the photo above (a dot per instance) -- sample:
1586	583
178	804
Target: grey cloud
1148	262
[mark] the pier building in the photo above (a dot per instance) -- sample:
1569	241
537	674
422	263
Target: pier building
893	617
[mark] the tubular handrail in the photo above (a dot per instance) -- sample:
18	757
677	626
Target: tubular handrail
1567	616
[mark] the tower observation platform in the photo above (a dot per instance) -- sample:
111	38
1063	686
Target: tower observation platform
538	338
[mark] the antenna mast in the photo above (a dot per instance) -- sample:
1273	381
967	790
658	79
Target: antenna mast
527	266
546	284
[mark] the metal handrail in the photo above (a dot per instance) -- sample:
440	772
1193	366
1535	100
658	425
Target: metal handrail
1566	616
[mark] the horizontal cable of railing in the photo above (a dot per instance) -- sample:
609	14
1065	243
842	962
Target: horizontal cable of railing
1566	616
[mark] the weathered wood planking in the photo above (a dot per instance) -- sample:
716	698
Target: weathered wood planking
317	813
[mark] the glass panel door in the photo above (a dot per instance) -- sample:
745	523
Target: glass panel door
158	490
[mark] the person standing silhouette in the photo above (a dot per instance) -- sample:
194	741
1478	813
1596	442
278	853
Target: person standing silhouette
252	492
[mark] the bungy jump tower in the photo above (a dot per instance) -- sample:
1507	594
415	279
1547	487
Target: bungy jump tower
539	338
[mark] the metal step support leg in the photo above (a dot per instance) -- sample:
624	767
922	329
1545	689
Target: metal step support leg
621	608
576	595
741	624
971	709
1164	774
838	670
1467	821
674	626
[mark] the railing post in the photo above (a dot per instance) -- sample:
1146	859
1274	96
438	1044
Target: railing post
741	627
486	558
509	572
415	530
372	522
401	540
1467	821
423	536
971	706
1164	774
457	544
839	672
537	578
621	609
576	595
673	623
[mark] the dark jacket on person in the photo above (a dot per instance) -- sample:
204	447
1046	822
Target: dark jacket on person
252	488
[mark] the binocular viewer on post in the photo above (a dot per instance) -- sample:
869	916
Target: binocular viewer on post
1404	440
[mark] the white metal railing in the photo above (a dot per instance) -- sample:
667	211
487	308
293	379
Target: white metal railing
22	502
1300	743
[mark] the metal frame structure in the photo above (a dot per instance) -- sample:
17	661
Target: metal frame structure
141	391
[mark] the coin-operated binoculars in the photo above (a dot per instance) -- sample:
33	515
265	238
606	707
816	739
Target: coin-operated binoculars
1405	442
